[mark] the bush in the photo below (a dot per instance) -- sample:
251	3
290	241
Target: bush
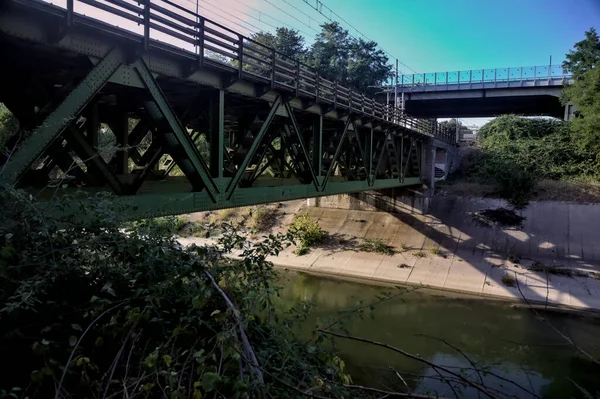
307	231
95	308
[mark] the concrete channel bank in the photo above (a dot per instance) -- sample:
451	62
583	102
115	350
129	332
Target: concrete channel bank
438	245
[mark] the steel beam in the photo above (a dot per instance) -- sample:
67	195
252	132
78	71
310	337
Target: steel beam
190	150
336	155
256	142
216	131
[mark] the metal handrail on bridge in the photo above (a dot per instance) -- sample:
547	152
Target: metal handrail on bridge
220	46
497	75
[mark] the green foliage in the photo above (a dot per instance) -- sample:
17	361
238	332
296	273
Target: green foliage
584	56
286	41
453	124
307	231
375	245
9	125
95	308
517	152
351	61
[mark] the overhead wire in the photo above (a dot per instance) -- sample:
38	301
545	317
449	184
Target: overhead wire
319	7
256	29
273	18
287	13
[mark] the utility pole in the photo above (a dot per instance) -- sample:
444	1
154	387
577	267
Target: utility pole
396	89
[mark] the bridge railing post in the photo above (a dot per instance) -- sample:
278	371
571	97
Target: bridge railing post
146	24
201	41
69	12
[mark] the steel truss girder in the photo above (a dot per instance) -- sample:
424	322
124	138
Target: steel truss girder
161	119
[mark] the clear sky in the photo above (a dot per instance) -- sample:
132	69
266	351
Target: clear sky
437	35
425	35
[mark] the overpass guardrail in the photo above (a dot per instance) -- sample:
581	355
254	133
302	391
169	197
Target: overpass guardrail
548	74
216	45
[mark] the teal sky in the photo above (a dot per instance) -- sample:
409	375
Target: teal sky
433	35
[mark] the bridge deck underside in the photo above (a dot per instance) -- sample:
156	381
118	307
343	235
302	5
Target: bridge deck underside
531	105
166	144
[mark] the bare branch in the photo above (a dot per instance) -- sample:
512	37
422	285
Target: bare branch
556	330
393	394
415	357
254	365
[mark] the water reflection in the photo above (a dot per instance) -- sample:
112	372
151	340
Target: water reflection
505	341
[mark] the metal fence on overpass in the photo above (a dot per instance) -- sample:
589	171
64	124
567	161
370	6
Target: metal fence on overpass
548	75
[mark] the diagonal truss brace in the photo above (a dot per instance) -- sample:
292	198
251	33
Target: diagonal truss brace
255	144
183	138
294	124
336	155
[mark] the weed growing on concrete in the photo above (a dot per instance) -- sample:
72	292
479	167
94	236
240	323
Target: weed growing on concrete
307	231
512	258
262	218
557	270
438	251
404	247
508	280
375	245
420	254
301	250
194	229
403	266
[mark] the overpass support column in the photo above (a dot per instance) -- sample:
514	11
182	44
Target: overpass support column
569	112
428	163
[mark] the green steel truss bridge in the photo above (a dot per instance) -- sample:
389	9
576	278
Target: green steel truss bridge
175	113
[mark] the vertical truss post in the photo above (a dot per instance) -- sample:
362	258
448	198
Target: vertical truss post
317	155
217	123
336	155
369	154
122	132
93	124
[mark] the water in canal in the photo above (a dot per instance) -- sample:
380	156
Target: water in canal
501	338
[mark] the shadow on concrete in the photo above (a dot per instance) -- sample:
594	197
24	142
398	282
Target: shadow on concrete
556	234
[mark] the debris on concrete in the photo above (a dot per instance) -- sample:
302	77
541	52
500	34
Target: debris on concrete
498	217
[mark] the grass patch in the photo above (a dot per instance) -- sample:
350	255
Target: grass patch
420	254
225	214
557	270
262	218
302	250
194	229
508	280
582	191
375	245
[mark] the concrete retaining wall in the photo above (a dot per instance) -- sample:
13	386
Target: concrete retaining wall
556	231
392	200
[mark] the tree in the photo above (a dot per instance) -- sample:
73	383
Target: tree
584	94
355	62
453	124
584	56
287	42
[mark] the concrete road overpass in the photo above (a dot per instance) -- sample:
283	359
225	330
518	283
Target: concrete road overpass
527	91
